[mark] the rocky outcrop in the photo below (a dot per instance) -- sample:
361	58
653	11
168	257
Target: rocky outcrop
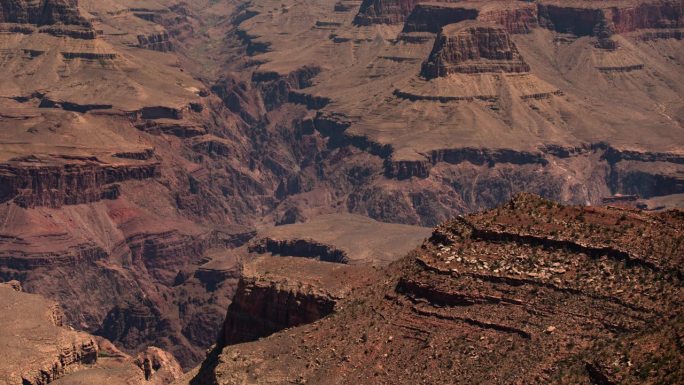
278	293
522	306
56	185
130	324
46	102
262	308
19	262
651	14
518	18
578	21
157	42
175	127
55	17
405	169
91	56
37	348
473	47
384	12
276	88
587	19
163	253
41	12
253	45
670	33
603	21
159	365
159	112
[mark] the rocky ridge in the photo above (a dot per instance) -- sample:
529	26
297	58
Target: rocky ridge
38	349
558	293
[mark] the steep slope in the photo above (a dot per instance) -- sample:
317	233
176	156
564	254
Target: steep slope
37	349
106	152
141	142
532	292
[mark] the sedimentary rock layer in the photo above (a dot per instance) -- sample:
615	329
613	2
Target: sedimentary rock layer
57	185
37	348
473	47
275	293
532	292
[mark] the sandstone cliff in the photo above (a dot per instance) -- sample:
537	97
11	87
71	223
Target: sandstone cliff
276	293
472	47
41	12
37	348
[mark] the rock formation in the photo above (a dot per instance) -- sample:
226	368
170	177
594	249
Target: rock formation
473	47
278	293
531	292
386	12
157	42
56	17
42	12
37	347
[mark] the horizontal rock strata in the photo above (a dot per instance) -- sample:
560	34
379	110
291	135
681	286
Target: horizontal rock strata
473	47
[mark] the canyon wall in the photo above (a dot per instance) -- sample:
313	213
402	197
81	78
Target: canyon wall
473	47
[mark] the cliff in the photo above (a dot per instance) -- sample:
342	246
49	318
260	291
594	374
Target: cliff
300	248
518	18
473	47
41	12
32	184
531	292
55	17
37	348
384	12
593	19
157	42
276	293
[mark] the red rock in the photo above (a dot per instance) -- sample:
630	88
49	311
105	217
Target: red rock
473	47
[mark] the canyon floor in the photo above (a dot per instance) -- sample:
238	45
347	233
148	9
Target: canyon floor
169	169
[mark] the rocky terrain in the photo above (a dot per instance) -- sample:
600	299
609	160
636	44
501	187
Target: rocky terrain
531	292
37	349
150	149
283	292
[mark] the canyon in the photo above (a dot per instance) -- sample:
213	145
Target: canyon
175	173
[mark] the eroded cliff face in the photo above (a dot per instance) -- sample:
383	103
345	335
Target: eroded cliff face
42	12
531	292
69	184
37	347
262	308
276	293
591	21
55	17
385	12
473	47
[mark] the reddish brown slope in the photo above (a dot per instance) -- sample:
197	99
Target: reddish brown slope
532	292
